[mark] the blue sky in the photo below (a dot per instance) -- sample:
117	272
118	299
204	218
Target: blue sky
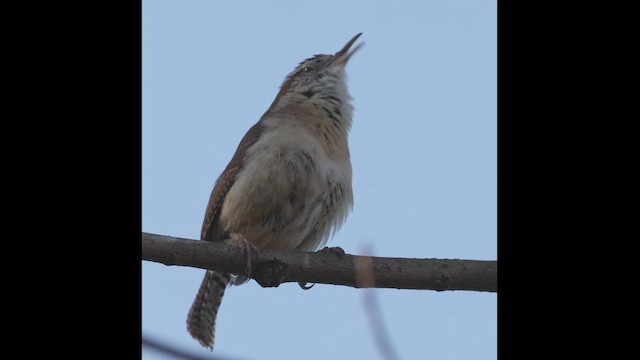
423	150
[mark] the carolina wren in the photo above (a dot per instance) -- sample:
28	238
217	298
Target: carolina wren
288	185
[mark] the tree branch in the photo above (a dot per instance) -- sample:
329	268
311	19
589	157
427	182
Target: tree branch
270	268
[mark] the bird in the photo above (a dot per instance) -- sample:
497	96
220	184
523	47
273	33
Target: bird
288	186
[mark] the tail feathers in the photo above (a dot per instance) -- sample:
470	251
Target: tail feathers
201	320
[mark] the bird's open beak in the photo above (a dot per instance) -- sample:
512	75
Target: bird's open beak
342	56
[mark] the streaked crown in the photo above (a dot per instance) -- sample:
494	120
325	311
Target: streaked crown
319	74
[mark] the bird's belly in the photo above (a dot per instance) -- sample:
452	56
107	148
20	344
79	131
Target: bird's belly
287	199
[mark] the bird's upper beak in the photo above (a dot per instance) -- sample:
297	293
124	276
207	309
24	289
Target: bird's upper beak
342	56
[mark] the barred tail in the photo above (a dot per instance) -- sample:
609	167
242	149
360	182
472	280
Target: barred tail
201	320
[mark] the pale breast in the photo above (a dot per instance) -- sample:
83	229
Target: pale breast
289	194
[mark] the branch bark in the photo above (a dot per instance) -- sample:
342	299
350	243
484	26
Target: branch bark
270	268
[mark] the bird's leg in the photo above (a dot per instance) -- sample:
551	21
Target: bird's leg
250	251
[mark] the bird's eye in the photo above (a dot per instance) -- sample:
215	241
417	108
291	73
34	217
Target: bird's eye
307	69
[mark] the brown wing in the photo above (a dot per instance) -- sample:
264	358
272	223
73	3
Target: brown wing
211	230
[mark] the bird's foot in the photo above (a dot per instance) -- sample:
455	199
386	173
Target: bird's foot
303	285
336	250
250	252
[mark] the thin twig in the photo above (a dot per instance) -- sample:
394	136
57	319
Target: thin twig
174	351
325	268
365	277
